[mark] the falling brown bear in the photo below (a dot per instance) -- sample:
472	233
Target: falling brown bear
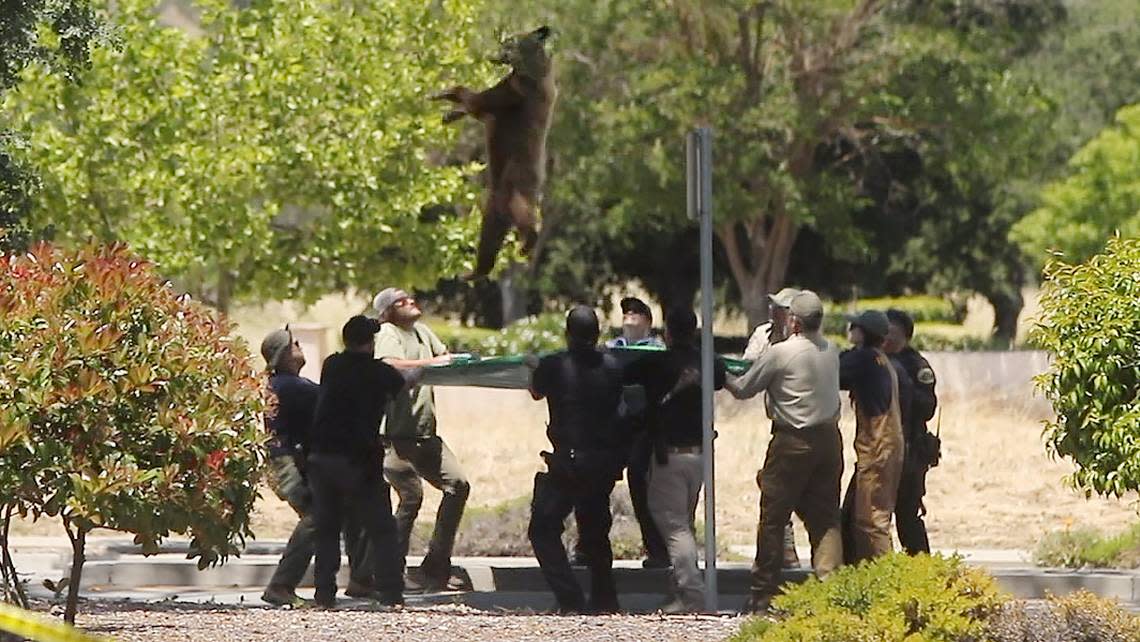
516	115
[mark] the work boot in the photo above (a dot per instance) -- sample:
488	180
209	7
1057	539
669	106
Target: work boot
677	606
325	601
579	558
656	562
357	589
757	605
386	599
279	595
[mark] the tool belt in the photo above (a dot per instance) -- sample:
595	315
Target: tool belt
584	466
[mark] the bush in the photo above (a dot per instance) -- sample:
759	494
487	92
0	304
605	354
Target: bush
890	598
1085	547
924	309
123	405
542	333
1079	617
1090	322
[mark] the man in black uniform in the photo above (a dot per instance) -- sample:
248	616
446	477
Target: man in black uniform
921	446
345	463
672	381
583	387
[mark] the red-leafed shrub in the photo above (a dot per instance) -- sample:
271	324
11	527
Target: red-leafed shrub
123	405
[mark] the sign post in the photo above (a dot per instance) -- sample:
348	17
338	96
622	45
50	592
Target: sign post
699	184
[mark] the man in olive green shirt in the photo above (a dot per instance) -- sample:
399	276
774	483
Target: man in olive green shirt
417	452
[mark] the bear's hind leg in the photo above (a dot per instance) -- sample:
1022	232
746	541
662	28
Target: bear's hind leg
491	238
522	210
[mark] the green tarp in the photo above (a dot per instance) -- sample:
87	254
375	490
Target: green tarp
511	372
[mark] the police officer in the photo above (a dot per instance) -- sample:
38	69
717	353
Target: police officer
345	466
868	374
672	385
583	387
921	446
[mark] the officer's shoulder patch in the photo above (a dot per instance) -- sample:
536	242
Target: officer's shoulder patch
925	376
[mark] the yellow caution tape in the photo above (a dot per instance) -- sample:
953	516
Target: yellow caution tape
35	627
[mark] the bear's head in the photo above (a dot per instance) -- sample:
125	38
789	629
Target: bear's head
526	53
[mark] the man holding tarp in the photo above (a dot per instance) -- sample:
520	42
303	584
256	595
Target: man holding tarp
583	387
416	451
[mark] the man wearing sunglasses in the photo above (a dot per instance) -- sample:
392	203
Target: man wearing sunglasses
417	453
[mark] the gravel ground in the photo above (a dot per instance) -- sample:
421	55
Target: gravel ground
182	622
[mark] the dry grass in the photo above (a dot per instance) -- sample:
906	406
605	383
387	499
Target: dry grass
995	488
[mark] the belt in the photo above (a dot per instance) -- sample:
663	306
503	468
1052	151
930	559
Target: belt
683	450
792	429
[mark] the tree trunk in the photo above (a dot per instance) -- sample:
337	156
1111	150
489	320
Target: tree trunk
512	296
758	259
225	289
13	590
78	557
1007	307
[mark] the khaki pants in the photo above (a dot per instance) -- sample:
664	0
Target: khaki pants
873	491
408	462
801	475
674	489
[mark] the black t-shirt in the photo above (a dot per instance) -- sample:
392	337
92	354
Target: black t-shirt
582	389
677	421
355	388
295	407
864	372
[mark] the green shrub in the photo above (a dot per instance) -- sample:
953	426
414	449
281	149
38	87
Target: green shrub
542	333
895	597
1086	547
1090	322
924	309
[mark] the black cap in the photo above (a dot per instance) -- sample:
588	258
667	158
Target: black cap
634	304
902	320
582	324
359	330
873	322
681	323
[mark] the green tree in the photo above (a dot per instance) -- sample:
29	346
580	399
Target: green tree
1100	198
123	406
285	152
1090	323
58	34
804	99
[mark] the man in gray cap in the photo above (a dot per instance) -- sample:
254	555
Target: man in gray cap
866	371
417	452
804	463
291	404
767	334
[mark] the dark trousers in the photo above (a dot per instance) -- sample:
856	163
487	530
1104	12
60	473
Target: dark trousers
637	478
407	465
554	499
345	489
292	488
909	512
801	475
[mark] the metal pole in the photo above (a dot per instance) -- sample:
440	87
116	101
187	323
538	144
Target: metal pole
699	152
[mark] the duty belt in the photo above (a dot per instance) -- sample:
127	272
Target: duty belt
683	450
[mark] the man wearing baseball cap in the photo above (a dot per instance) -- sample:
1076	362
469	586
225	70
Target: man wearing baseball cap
636	327
867	372
417	453
767	334
804	464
